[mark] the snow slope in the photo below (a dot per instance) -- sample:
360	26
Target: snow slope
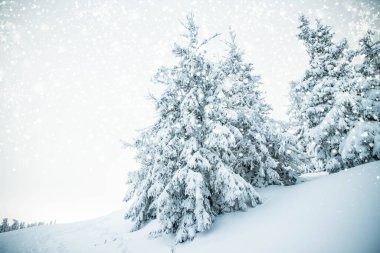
336	213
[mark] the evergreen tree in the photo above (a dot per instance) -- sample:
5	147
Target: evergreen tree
369	83
284	148
259	160
187	156
22	225
321	101
15	225
4	226
363	141
34	224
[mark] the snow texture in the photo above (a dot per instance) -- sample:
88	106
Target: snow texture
335	213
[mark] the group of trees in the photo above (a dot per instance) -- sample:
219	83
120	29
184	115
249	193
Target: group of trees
213	141
335	107
16	225
5	226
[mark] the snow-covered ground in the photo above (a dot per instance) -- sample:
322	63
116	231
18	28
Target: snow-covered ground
336	213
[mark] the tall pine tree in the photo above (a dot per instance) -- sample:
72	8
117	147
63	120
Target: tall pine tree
369	83
261	148
186	175
363	141
4	227
321	100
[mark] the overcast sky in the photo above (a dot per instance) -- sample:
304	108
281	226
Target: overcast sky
74	76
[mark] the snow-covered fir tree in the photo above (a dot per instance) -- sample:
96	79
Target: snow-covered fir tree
22	225
187	156
4	227
260	157
363	141
369	83
285	149
15	225
321	102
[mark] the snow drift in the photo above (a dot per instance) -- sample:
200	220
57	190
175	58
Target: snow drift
335	213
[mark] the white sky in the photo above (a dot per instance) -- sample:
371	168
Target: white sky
74	76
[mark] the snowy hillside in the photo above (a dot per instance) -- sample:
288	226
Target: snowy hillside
336	213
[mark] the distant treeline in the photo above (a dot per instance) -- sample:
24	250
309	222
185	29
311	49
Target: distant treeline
6	227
